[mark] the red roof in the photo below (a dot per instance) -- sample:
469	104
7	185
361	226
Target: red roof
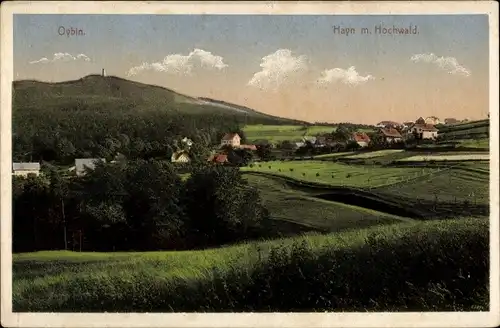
391	132
221	158
230	136
426	127
361	137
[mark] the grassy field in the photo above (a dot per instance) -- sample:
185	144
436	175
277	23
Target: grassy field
338	174
379	153
414	266
301	207
467	183
448	157
475	143
278	133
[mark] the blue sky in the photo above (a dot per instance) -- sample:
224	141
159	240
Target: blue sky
120	42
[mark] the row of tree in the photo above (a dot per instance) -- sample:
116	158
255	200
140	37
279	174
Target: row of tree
135	205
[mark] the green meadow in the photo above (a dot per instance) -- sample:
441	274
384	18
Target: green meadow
413	266
339	174
278	133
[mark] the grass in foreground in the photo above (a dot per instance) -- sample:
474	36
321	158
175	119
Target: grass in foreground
425	266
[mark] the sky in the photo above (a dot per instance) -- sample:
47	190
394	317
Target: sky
298	66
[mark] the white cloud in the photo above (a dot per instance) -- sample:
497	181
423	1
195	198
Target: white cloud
347	76
277	68
61	56
182	64
449	64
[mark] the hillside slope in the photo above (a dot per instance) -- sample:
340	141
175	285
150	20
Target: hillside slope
98	93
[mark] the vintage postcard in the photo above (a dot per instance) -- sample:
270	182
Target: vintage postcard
253	164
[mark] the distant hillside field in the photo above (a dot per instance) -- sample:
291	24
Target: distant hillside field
98	93
278	133
466	133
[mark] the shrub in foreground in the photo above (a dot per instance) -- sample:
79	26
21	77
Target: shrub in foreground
426	267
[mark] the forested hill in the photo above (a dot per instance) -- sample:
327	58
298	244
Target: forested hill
100	116
98	93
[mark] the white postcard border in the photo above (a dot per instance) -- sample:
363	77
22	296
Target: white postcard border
421	319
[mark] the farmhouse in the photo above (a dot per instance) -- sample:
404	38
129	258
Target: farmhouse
361	139
231	139
420	120
310	139
25	169
180	157
188	142
82	163
424	131
218	158
391	135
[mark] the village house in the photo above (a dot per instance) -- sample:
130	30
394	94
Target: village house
188	142
231	139
420	120
25	169
361	139
180	156
424	131
391	135
310	139
82	163
218	158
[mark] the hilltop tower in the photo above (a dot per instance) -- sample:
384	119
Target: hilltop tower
103	72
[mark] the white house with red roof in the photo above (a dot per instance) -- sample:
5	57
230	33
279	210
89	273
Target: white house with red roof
361	138
231	139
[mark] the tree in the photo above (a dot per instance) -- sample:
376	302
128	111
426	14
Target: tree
153	207
218	202
264	152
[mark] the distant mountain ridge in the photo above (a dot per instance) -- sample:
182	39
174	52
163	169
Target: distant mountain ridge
114	93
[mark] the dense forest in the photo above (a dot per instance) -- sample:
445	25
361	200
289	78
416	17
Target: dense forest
139	202
101	116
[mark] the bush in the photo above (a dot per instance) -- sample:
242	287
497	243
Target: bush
251	165
303	174
291	169
348	175
269	166
279	170
317	174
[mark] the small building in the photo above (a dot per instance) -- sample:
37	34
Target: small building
310	139
361	138
424	131
231	139
188	142
391	135
180	156
218	158
420	120
25	169
82	163
299	144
